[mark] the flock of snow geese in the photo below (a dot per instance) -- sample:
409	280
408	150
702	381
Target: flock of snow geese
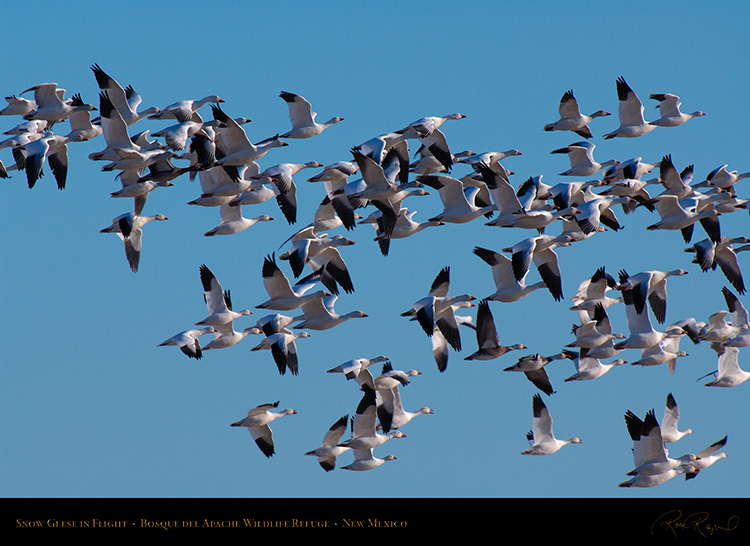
219	153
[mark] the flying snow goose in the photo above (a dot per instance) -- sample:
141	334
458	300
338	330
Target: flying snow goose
50	105
533	366
709	254
318	314
352	368
458	205
723	178
303	118
571	118
729	373
405	226
674	216
128	227
125	100
390	378
81	128
329	449
649	480
50	148
282	296
364	459
308	245
274	323
592	292
379	147
669	431
488	342
364	431
669	108
187	341
581	156
502	193
391	413
508	289
540	251
426	125
18	106
541	437
233	222
649	453
707	457
588	368
650	286
257	422
218	301
283	349
238	148
642	334
183	110
630	112
440	344
667	351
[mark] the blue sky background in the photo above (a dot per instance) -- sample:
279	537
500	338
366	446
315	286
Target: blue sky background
93	408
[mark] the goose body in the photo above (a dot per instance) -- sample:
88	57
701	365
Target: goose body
128	227
125	100
329	449
303	118
669	108
217	300
488	342
319	314
282	296
669	424
257	422
581	156
508	288
542	438
187	341
649	453
571	118
233	222
630	112
283	348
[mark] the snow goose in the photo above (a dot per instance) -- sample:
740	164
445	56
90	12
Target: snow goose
709	254
282	296
283	349
592	292
218	301
364	431
630	112
281	177
318	314
650	286
238	148
440	345
649	480
667	351
508	289
669	108
187	341
379	147
50	148
533	366
504	196
633	168
233	222
183	110
50	104
125	100
257	422
729	373
18	106
675	182
588	335
571	118
541	437
435	154
588	368
129	159
597	212
128	227
669	431
364	459
707	457
390	378
391	413
352	368
81	128
724	179
329	449
426	125
134	186
537	219
116	135
177	136
649	453
307	245
642	334
274	323
581	156
303	118
488	342
540	250
226	336
458	205
674	216
405	226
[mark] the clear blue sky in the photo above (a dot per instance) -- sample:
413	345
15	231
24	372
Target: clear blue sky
94	408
